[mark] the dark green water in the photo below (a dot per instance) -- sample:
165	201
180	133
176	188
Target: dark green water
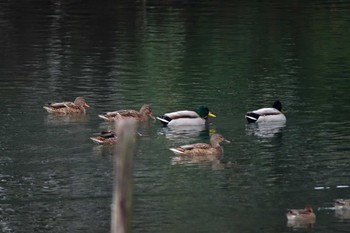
232	57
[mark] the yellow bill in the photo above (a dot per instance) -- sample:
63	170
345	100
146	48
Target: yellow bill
211	114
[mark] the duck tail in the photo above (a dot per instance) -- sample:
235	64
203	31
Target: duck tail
107	134
104	117
252	117
176	151
164	120
96	140
48	109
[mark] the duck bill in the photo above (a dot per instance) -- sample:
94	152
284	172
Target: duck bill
86	105
211	114
151	116
227	141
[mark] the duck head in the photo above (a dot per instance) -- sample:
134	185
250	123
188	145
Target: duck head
308	209
277	105
147	110
216	139
204	112
80	101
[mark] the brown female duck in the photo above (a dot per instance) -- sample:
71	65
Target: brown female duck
140	116
105	138
306	214
78	106
202	151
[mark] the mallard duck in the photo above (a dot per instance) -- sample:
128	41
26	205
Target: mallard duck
203	151
105	138
78	106
140	116
183	118
273	114
306	214
343	204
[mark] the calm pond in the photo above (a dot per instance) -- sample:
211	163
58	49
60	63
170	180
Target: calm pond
232	56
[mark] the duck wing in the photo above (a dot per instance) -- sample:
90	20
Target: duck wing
181	114
107	134
196	146
62	105
298	212
128	113
266	111
123	113
191	148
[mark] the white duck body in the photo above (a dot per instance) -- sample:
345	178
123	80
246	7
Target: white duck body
269	115
186	117
184	113
264	115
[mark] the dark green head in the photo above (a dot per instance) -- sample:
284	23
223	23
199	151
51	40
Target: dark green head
277	105
204	112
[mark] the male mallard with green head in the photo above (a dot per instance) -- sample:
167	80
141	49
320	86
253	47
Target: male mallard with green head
78	106
273	114
184	118
141	116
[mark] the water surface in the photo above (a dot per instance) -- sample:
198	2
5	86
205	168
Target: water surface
232	57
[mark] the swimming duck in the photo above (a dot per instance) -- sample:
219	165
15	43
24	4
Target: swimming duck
306	214
105	138
78	106
203	151
140	116
273	114
184	118
343	204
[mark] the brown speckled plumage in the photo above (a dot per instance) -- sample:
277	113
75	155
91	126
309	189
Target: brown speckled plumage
140	116
202	151
63	108
301	214
105	138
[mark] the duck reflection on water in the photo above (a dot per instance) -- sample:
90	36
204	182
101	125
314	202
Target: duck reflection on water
186	133
53	119
265	130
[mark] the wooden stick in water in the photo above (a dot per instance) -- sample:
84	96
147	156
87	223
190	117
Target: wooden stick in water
123	176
